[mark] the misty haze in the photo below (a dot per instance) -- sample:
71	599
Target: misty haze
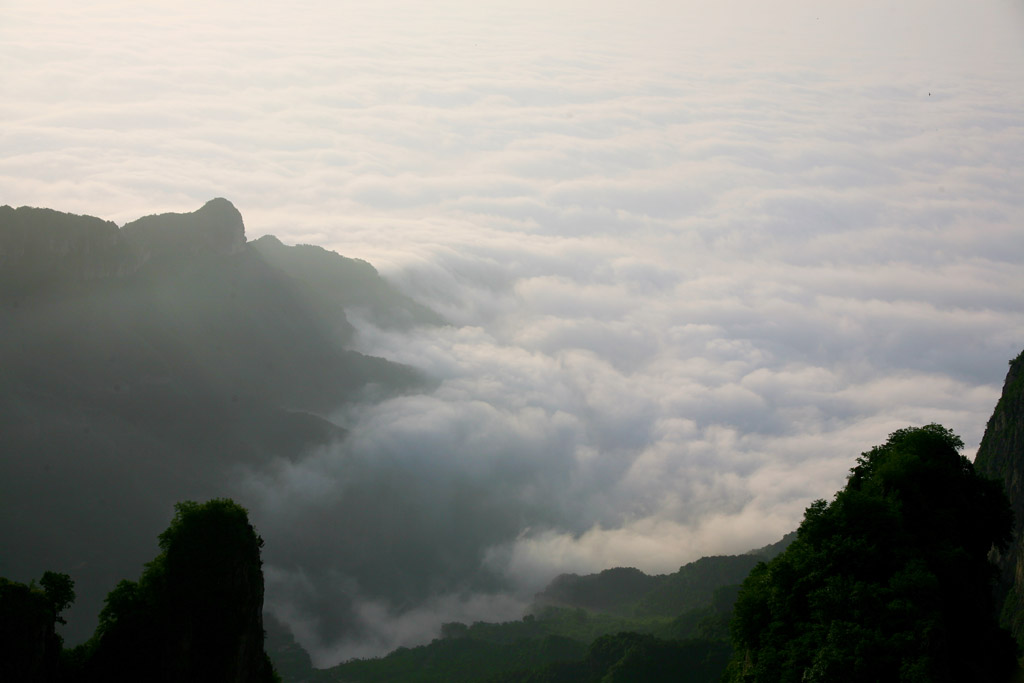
526	323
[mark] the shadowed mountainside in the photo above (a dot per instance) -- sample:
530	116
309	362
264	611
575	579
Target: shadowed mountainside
1001	457
143	364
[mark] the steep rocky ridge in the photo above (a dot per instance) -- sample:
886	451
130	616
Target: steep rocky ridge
334	281
42	250
151	363
216	228
195	614
1001	457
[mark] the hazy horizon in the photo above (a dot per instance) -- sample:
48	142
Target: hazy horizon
696	256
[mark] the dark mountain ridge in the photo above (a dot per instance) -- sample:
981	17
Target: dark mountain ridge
627	591
145	364
216	228
43	249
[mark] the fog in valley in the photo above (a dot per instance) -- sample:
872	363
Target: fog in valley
688	260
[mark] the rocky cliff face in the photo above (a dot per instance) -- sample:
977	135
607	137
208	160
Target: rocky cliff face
196	612
214	586
42	250
1001	457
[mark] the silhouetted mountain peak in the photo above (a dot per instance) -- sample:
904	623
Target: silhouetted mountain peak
154	361
221	215
216	227
268	241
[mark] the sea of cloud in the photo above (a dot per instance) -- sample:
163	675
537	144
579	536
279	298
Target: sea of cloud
696	257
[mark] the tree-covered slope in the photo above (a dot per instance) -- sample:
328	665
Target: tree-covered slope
656	625
626	591
889	582
455	660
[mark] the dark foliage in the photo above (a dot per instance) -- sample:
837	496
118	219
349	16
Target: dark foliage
627	657
195	614
551	646
689	632
695	583
29	644
889	582
613	590
454	660
626	591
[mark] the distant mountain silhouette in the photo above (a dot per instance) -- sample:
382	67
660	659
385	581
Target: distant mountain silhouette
630	592
142	364
338	284
578	630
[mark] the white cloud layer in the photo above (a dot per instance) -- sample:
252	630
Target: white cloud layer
697	255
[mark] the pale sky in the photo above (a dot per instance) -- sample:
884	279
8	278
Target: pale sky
697	255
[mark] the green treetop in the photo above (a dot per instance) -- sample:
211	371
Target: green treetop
888	582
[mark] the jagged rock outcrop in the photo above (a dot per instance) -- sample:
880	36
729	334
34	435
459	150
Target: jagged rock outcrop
216	228
196	612
1001	457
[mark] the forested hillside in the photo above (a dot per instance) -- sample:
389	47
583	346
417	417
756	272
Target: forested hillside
578	628
889	581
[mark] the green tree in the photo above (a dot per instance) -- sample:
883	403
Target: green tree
888	582
29	644
60	591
